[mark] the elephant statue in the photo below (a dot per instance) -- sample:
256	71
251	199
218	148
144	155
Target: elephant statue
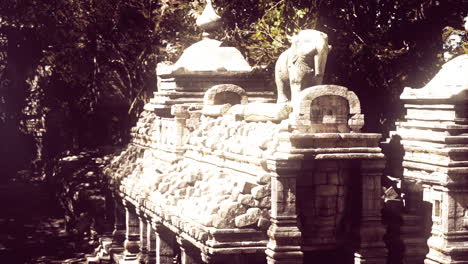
302	65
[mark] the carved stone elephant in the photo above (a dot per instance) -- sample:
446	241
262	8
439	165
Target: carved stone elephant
302	65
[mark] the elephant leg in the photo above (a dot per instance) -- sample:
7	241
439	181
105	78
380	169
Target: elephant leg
282	77
280	85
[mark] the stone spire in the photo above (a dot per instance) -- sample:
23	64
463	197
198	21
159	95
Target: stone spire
209	20
208	55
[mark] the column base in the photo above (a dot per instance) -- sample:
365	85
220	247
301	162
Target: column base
289	255
372	249
448	253
132	247
151	258
116	249
126	260
371	256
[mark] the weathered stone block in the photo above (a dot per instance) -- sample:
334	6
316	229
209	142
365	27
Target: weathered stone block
333	178
261	191
320	178
326	190
249	218
265	202
207	220
229	209
263	223
245	187
163	187
247	200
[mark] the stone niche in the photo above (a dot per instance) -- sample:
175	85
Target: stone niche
329	113
328	109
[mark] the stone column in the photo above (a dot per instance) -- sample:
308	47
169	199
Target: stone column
414	224
371	248
118	235
143	237
207	258
151	243
132	236
448	243
284	244
186	251
165	244
181	114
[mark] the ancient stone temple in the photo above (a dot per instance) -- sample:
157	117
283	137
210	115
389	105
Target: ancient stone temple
217	172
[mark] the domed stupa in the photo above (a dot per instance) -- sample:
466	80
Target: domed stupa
203	65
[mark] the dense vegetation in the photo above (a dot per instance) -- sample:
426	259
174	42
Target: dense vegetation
75	74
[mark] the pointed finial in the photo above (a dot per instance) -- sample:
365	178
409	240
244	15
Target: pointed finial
209	20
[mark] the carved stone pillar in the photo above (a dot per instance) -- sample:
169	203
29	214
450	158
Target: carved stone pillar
284	244
371	248
414	233
181	114
118	235
143	238
165	244
151	243
207	258
186	251
132	236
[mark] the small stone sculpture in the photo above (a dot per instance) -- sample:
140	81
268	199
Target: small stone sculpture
455	41
303	64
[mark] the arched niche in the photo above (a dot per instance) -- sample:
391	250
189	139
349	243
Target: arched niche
327	109
225	94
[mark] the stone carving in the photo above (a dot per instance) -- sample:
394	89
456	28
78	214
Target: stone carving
219	99
208	21
328	109
302	65
225	94
455	41
232	100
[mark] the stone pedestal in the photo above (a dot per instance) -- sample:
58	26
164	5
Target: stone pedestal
151	242
143	238
435	163
132	236
414	229
284	245
118	235
189	87
371	248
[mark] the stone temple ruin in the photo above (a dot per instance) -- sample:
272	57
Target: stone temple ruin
217	172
